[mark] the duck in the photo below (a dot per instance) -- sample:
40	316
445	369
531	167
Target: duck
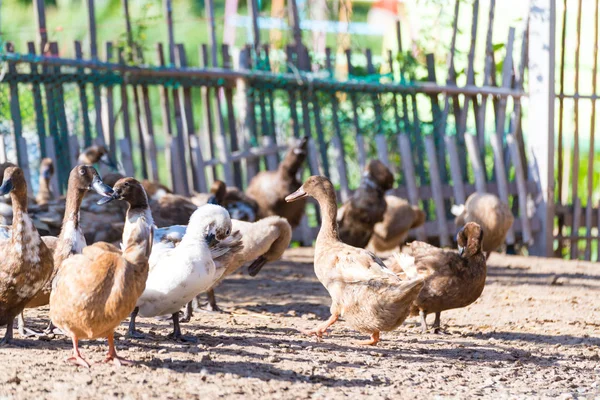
367	206
452	280
490	213
269	188
155	190
97	154
45	195
363	290
240	206
91	305
71	240
27	262
216	195
262	242
178	273
399	218
172	209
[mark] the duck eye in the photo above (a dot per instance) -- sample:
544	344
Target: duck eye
126	184
227	233
81	171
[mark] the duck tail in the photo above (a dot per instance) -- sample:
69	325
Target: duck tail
407	263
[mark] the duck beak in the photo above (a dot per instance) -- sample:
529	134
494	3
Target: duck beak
461	250
298	194
106	160
211	239
6	187
301	148
100	187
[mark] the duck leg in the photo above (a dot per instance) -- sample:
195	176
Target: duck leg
369	342
131	332
176	334
188	313
212	301
8	336
436	323
321	329
112	353
53	329
77	359
423	316
27	332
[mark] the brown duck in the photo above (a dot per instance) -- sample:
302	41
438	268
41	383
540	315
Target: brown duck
452	280
91	305
489	212
26	261
358	216
399	218
269	188
363	290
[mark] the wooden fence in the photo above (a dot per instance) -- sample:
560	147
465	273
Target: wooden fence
442	141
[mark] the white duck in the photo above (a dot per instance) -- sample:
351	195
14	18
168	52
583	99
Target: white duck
177	274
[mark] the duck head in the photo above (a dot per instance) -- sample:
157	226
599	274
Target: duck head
469	239
85	177
14	182
377	174
97	154
315	186
296	156
46	169
129	190
218	190
211	222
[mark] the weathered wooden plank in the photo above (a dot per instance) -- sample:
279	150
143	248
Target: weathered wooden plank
205	92
109	110
246	122
271	159
15	107
457	180
125	117
3	150
39	10
126	158
521	185
73	151
165	105
591	153
361	151
313	160
409	174
488	73
198	162
354	103
231	121
438	118
436	188
38	105
292	96
62	133
148	136
476	165
23	162
83	102
382	150
100	134
574	254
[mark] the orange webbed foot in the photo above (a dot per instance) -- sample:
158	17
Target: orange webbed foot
369	342
78	360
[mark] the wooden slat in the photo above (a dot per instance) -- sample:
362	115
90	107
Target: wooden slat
375	98
271	159
591	153
39	10
62	135
109	109
38	105
313	160
233	136
166	118
23	162
354	102
100	133
488	73
148	133
51	153
409	174
382	150
245	106
292	96
125	117
205	92
83	102
457	180
126	158
575	164
3	150
520	178
361	152
560	163
436	188
73	151
574	254
15	108
438	125
476	165
198	162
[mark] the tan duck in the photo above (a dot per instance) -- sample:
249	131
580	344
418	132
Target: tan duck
71	240
100	155
269	188
358	216
91	305
217	193
452	280
399	218
45	195
263	241
494	217
363	290
26	261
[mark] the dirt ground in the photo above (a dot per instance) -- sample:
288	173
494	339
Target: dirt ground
535	332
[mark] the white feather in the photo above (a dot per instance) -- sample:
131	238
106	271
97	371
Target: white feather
457	209
407	263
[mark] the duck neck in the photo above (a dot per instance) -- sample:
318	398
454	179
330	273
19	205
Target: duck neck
71	239
25	237
137	240
44	193
329	227
291	164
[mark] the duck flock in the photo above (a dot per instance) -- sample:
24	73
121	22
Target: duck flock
115	247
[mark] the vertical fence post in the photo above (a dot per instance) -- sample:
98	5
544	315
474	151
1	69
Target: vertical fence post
542	25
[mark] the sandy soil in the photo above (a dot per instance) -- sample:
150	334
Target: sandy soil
535	332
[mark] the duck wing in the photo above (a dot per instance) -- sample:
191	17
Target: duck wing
170	235
433	260
358	265
224	251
